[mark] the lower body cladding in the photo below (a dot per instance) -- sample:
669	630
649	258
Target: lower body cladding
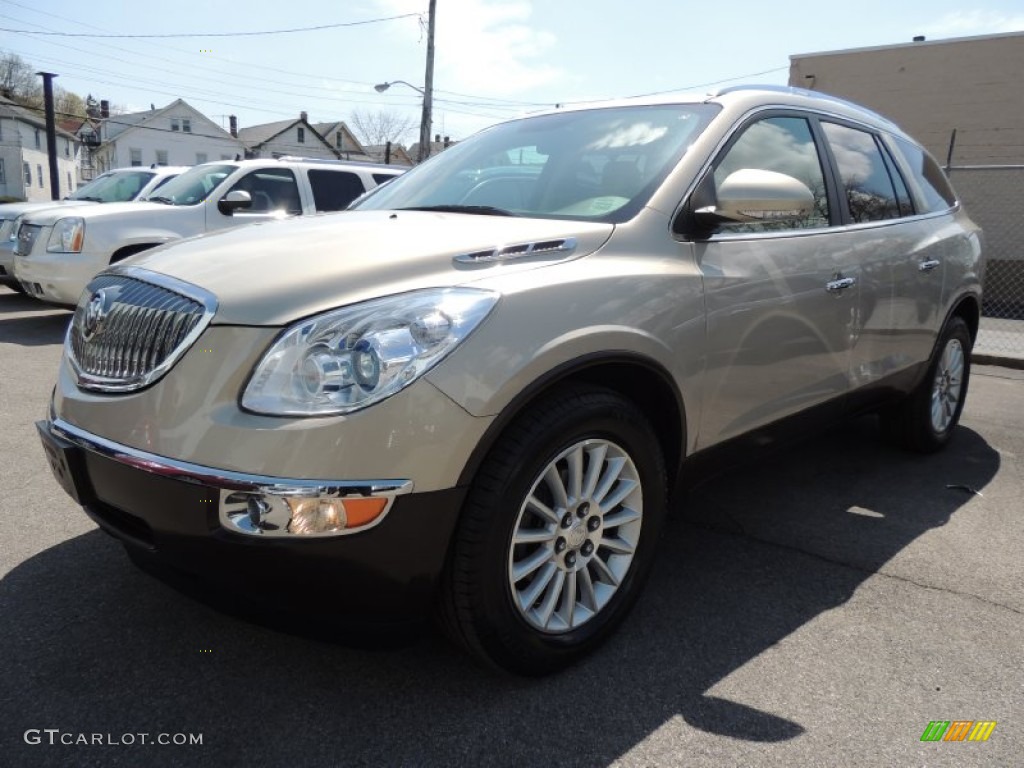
361	553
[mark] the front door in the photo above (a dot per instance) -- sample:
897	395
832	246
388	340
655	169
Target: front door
781	297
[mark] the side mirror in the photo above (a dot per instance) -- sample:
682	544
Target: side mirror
234	200
755	195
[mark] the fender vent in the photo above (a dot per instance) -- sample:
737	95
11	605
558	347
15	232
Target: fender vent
506	252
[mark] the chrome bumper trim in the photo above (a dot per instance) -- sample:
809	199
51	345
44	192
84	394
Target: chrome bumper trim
236	488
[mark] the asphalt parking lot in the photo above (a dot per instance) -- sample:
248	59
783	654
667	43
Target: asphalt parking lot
819	606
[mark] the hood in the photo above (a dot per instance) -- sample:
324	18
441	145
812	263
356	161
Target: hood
14	210
277	272
94	212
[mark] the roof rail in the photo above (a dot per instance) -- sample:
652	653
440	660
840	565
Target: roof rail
329	161
794	91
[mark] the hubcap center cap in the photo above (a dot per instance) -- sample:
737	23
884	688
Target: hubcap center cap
576	536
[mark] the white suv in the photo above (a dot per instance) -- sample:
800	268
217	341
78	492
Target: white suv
115	186
57	253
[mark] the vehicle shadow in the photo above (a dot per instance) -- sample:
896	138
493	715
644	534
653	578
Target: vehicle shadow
92	645
45	325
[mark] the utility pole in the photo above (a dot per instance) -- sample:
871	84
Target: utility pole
51	133
428	88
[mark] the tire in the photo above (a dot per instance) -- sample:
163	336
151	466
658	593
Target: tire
926	419
536	604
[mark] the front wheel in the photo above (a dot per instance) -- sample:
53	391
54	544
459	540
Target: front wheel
925	420
558	532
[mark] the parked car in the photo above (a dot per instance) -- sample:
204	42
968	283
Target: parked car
57	253
434	402
115	186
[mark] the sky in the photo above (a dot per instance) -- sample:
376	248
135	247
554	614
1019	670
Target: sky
495	59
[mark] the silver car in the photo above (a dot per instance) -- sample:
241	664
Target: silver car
471	394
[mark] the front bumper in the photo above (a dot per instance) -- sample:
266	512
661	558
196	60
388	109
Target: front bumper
7	263
179	515
57	278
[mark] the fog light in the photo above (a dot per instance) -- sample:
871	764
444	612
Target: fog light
320	515
316	515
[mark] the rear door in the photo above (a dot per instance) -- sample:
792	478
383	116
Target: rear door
334	190
899	256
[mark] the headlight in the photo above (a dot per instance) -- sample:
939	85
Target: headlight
15	226
353	357
67	236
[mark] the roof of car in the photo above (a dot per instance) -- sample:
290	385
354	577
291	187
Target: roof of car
752	95
310	161
160	170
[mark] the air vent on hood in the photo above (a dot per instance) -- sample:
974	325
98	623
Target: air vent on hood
521	250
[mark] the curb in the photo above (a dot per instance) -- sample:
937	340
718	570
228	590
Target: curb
1001	360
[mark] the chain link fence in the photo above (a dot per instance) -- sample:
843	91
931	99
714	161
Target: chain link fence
994	198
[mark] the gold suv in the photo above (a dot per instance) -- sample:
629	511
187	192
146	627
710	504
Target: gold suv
470	394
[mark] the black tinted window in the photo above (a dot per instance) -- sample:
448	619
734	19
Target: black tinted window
783	145
902	193
334	190
382	178
935	191
863	176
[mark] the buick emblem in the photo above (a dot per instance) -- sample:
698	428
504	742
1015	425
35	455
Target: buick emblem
96	312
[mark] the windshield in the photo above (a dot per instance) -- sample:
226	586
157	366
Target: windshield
113	187
193	186
592	165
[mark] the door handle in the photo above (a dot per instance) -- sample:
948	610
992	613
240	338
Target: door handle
839	283
928	265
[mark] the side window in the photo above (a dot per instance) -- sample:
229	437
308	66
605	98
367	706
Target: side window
902	193
934	189
383	178
784	145
863	175
334	190
272	189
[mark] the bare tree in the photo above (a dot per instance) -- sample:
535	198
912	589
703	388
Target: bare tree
18	81
68	104
378	127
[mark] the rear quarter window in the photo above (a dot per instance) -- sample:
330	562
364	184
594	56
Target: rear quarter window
334	190
934	190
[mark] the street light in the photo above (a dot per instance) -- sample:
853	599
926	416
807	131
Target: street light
424	149
381	87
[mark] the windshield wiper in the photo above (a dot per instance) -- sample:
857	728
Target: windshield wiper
482	210
87	197
160	199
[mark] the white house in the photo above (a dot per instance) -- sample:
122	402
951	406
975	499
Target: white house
24	161
345	143
177	134
286	137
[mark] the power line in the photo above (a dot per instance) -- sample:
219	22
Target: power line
331	92
214	34
699	85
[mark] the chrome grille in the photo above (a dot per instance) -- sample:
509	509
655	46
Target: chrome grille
27	235
131	326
